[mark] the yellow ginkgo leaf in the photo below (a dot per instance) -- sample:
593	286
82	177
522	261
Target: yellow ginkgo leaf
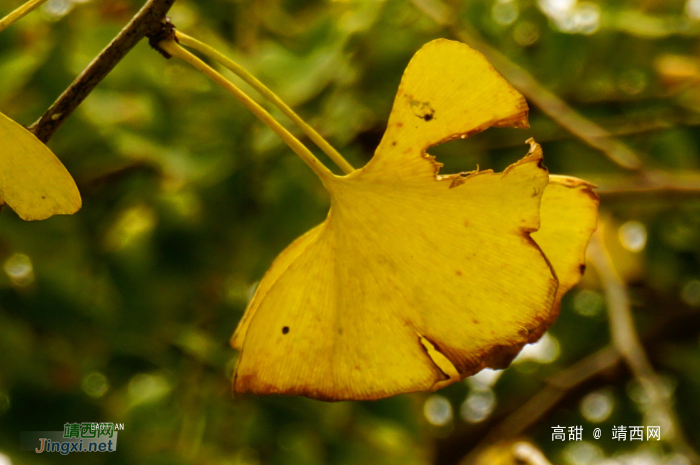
569	215
33	182
416	280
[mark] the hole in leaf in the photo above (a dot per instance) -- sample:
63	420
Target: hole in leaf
495	148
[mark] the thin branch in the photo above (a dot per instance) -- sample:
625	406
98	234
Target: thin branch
558	386
553	106
626	341
649	182
148	21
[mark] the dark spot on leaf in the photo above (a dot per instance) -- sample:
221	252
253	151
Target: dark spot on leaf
393	144
458	272
582	268
475	321
535	191
43	196
285	330
422	110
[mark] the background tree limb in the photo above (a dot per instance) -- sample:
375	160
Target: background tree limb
147	21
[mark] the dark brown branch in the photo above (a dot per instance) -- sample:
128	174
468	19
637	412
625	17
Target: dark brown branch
148	21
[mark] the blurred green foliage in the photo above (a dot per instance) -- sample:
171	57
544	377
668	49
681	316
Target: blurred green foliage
123	311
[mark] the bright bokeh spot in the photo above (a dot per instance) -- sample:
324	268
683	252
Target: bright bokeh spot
57	9
556	7
639	394
546	350
505	12
95	384
586	18
438	410
485	379
478	405
19	269
571	16
692	9
633	236
147	388
582	453
588	302
4	459
597	406
691	293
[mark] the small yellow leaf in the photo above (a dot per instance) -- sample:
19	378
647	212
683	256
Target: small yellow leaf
33	182
417	280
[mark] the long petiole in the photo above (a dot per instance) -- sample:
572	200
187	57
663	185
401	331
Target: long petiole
238	70
171	47
19	13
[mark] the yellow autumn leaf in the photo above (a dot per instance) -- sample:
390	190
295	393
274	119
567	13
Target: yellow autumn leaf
33	182
416	280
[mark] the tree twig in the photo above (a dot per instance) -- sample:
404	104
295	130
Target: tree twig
550	104
147	21
649	182
558	386
626	341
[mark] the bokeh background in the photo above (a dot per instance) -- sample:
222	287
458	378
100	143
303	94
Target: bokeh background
122	312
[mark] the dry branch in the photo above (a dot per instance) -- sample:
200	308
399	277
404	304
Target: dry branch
149	20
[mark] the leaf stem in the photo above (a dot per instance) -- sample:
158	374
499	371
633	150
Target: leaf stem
239	71
171	47
19	13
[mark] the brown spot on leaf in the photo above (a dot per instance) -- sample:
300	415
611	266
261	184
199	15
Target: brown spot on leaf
285	330
458	273
422	110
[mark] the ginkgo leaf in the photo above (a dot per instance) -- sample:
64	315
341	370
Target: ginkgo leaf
569	217
416	280
33	182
